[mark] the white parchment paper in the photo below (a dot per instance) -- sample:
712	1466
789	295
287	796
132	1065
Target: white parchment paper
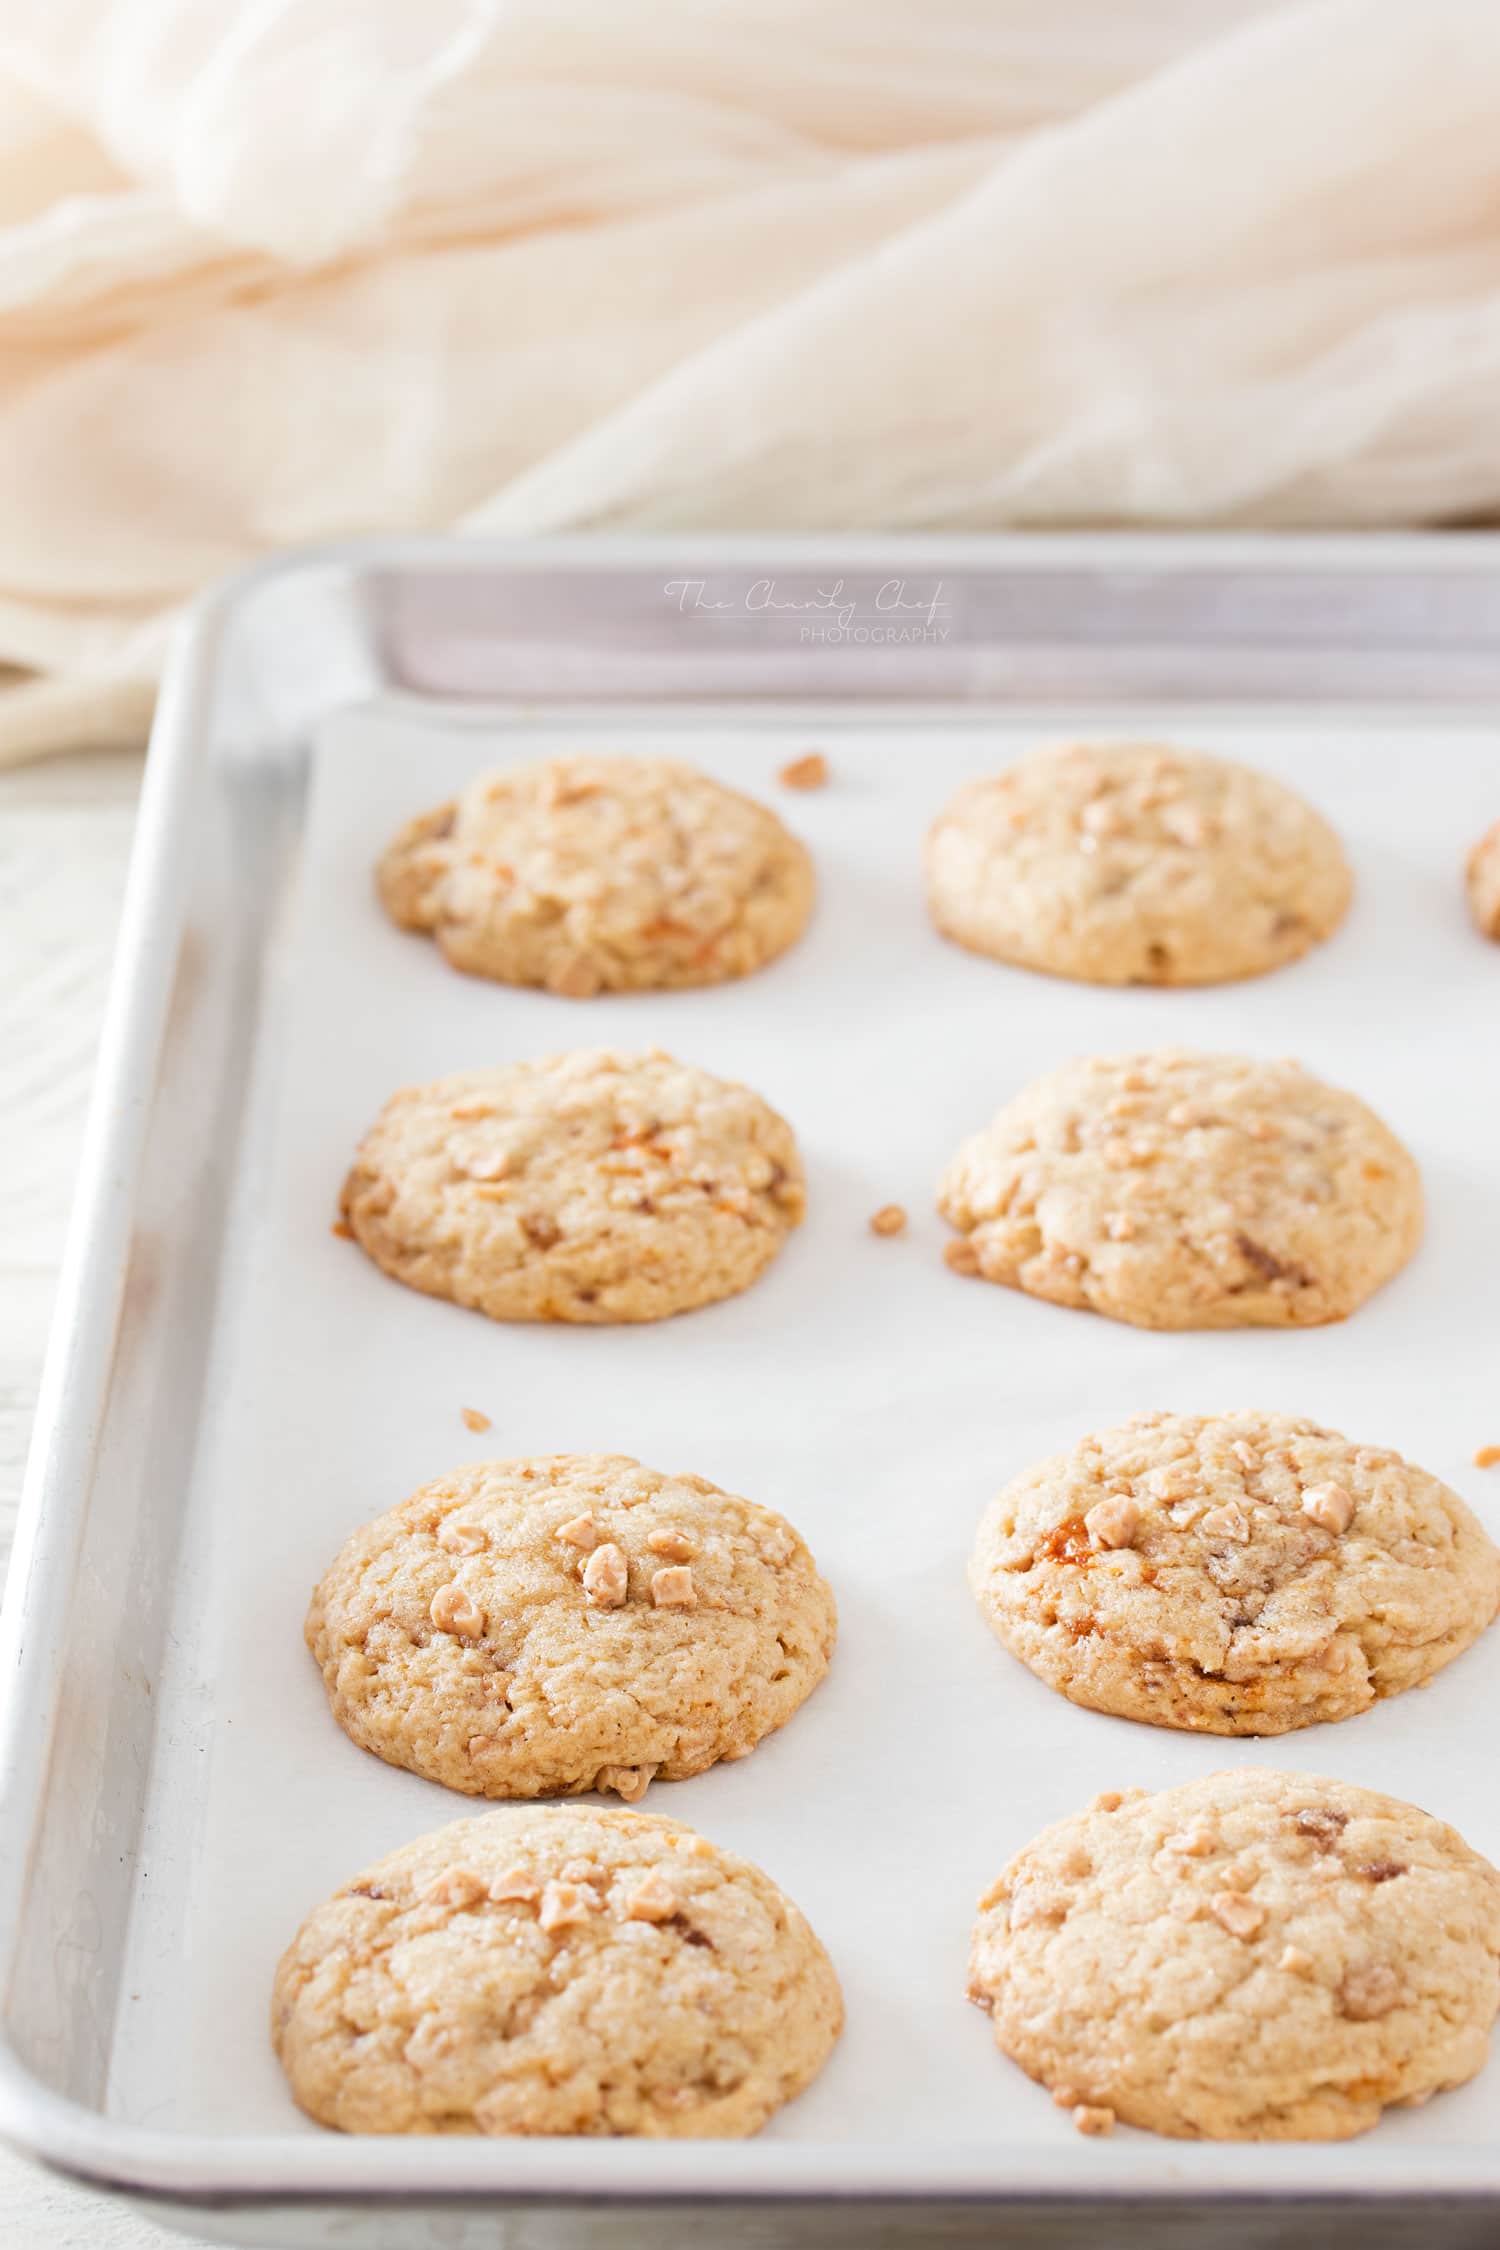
860	1387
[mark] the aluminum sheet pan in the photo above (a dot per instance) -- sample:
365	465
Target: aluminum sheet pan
232	1389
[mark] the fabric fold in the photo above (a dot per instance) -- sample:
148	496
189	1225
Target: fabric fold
299	269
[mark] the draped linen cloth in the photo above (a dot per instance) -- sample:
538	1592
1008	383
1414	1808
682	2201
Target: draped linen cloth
281	270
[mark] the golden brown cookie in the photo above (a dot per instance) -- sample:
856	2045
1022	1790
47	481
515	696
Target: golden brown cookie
1135	863
555	1971
1232	1573
1179	1190
1483	874
577	1621
600	874
1252	1957
594	1186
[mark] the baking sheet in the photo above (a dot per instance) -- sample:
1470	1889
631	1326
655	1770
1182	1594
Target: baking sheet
859	1387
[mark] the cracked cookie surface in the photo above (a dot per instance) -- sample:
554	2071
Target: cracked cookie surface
587	875
555	1971
593	1186
570	1622
1232	1573
1177	1190
1135	863
1253	1956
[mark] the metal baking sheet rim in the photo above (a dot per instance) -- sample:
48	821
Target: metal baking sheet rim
204	2172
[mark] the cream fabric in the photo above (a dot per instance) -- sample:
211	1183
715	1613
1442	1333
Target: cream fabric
276	270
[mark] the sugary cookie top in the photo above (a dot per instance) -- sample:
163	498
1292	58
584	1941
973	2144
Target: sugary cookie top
600	874
589	1186
569	1622
1240	1573
1135	863
1181	1190
1256	1955
558	1970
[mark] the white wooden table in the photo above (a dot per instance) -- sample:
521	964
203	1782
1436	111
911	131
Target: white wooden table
64	838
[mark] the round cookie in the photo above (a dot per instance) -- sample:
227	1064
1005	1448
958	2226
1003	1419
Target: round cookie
1484	882
1135	863
1232	1573
555	1971
1254	1956
523	1628
588	875
593	1186
1179	1190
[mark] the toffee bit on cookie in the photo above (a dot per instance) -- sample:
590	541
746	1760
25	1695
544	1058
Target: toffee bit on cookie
673	1588
564	1904
889	1219
1369	1989
1320	1824
515	1887
1093	2119
1228	1522
606	1577
452	1611
457	1887
674	1546
583	1871
474	1420
574	979
961	1257
1240	1916
488	1164
1296	1963
1329	1506
460	1538
580	1532
651	1900
1197	1842
809	772
629	1783
1113	1521
1488	1457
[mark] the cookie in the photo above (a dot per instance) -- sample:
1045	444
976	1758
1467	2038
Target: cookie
556	1970
1484	881
1135	863
523	1628
593	1186
1252	1957
587	875
1232	1573
1179	1190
